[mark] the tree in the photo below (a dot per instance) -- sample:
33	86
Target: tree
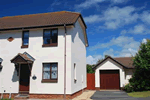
106	56
89	68
140	80
99	60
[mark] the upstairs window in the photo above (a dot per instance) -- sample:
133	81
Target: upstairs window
25	39
50	37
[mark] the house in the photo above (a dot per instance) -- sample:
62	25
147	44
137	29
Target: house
44	55
113	73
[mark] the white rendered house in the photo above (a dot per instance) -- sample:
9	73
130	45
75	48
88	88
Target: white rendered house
43	55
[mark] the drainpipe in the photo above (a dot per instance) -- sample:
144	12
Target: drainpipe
2	93
65	63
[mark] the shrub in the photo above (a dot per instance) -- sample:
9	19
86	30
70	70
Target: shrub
128	88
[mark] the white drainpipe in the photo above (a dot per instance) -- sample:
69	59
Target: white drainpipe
2	93
10	93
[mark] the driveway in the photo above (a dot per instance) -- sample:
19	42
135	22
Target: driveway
114	95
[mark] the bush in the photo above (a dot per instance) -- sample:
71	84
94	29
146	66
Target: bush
128	88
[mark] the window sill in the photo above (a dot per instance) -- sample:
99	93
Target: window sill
49	45
24	46
52	81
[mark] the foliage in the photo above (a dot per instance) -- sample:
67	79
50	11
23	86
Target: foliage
128	88
6	99
140	94
140	80
89	68
99	60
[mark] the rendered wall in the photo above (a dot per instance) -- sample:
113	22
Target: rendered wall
8	50
78	54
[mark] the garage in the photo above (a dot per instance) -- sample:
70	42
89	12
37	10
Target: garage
109	79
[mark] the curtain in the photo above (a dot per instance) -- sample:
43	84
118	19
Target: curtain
46	73
54	71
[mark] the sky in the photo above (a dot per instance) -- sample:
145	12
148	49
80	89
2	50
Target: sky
114	27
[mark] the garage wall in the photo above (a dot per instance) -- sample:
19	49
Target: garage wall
109	65
128	75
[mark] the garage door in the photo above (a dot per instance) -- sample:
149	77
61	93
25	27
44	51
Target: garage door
109	79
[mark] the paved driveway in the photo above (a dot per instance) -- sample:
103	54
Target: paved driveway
114	95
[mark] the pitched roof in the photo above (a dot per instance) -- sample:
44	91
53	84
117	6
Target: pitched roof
38	20
126	62
24	56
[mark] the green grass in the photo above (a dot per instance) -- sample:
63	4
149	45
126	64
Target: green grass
6	99
140	94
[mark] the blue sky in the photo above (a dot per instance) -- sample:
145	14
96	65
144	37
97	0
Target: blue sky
114	27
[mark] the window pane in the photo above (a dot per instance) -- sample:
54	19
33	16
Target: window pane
46	67
54	67
46	75
54	71
26	35
25	41
46	40
54	75
47	36
54	36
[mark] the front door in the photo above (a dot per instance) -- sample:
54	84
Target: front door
24	78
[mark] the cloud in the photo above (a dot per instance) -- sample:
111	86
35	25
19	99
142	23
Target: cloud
55	3
90	3
93	59
119	1
144	41
114	17
138	29
145	17
121	41
92	19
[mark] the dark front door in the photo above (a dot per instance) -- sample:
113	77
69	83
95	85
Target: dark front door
109	79
24	78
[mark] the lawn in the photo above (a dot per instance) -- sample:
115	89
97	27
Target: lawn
6	99
140	94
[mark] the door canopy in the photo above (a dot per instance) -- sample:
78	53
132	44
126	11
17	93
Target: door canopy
22	58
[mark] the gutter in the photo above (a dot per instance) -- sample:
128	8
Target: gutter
32	27
65	63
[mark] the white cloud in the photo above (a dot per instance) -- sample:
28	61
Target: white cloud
121	41
119	1
92	19
138	29
89	3
115	17
145	17
93	59
144	41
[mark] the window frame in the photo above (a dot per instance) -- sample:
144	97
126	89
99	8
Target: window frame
51	44
24	46
75	72
49	80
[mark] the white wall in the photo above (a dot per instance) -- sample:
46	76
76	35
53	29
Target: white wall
109	65
128	75
42	54
78	54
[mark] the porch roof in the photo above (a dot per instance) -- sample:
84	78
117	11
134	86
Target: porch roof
22	58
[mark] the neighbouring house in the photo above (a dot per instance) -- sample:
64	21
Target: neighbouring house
43	55
113	73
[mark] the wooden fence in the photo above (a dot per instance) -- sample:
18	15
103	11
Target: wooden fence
91	81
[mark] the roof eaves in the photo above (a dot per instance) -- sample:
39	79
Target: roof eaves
106	59
19	28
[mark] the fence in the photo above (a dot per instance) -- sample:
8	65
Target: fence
91	81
